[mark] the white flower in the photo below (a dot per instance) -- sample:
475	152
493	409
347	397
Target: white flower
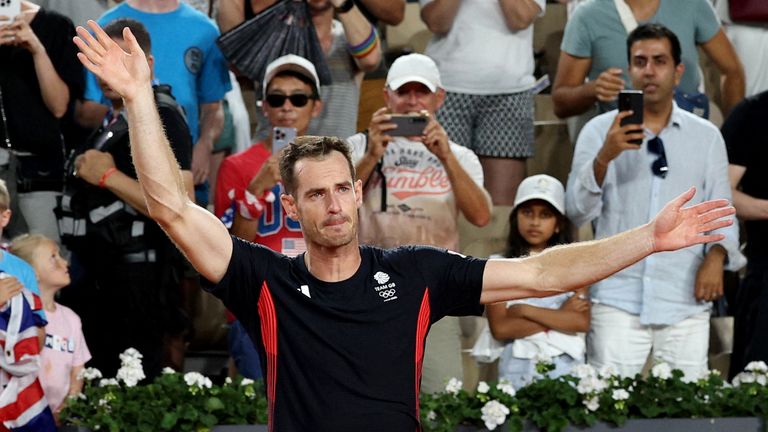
453	386
168	371
431	416
506	387
130	375
197	379
103	402
757	366
592	404
620	395
107	382
542	358
483	387
662	371
89	374
761	379
494	414
227	380
607	371
583	371
246	381
591	384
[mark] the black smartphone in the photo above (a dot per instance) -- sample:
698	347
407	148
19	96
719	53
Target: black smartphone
632	100
408	124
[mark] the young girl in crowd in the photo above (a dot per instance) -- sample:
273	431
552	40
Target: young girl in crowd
65	352
537	328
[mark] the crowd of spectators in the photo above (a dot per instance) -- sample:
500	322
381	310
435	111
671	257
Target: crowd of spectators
65	158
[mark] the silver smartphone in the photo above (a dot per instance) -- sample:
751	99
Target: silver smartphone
8	10
281	137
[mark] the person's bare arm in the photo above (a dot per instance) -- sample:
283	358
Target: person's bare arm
571	317
572	96
720	50
519	14
747	206
376	145
389	12
439	15
357	29
53	89
506	324
567	268
473	201
231	13
195	231
211	125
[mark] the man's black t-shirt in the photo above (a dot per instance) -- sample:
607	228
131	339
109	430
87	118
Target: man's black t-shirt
747	147
346	356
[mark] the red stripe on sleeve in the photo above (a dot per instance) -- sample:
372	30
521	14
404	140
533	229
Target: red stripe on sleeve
268	320
422	327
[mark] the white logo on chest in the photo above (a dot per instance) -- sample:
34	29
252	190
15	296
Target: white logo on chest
385	290
304	289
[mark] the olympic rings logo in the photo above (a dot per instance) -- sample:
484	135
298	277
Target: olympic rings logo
387	293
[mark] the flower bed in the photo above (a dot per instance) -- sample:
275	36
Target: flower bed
585	398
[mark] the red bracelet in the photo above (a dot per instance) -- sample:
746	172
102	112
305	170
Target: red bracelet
105	176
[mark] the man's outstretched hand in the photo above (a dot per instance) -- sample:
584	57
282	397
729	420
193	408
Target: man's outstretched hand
127	73
676	227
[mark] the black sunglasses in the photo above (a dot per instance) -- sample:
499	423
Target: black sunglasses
659	167
297	99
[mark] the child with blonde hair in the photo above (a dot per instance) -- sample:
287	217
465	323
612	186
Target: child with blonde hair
65	351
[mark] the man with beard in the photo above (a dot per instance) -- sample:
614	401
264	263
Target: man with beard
341	328
661	305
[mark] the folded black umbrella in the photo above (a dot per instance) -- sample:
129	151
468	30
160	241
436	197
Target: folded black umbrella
283	28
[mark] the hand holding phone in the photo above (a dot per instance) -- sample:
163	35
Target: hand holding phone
632	100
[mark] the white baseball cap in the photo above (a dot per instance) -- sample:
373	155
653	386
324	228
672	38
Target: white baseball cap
543	187
290	62
414	68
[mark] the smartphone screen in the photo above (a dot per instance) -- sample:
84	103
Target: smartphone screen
632	100
408	124
8	10
281	137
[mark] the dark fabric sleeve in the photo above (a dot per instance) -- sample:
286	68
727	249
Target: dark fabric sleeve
739	133
177	131
240	287
57	39
454	281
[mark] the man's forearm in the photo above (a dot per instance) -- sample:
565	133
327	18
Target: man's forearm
365	167
357	30
439	15
53	89
471	199
749	207
573	100
565	268
732	87
211	123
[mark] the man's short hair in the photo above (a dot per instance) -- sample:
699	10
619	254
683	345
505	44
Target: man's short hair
114	29
654	31
5	197
310	147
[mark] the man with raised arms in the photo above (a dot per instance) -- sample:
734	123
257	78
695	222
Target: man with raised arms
341	328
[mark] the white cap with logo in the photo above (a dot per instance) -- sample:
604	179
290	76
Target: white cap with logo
290	62
542	187
414	68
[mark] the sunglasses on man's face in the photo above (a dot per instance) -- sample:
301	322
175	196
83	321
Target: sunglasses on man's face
297	99
659	167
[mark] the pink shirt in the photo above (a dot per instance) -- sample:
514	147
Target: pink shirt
64	349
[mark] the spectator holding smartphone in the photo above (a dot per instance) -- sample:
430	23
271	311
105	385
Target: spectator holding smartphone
660	304
415	187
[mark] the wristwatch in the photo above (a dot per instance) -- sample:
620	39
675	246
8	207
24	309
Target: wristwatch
345	7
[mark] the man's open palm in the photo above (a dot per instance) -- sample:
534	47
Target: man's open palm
125	72
676	227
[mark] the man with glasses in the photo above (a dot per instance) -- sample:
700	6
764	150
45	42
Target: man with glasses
248	182
415	187
661	304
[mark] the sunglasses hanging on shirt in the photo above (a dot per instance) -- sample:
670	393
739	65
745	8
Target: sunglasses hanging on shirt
659	167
